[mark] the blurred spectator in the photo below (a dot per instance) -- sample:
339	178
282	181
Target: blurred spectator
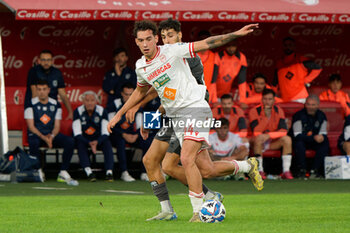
44	70
233	113
309	132
269	129
255	89
229	65
293	72
125	132
226	145
344	138
90	130
334	93
208	60
43	117
118	76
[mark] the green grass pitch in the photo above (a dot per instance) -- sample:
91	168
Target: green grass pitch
283	206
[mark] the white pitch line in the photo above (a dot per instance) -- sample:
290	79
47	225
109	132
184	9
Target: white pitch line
122	191
50	188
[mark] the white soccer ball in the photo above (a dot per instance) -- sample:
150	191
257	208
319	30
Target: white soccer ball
212	211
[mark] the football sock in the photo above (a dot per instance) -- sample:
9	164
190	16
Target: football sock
241	166
260	160
161	192
109	172
286	162
88	171
196	200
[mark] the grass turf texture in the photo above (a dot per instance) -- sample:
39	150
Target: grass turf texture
283	206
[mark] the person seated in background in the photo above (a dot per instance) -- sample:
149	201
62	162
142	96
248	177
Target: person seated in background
125	132
233	113
229	65
334	93
344	138
309	132
293	73
208	61
43	117
255	89
90	131
45	70
226	145
115	78
269	128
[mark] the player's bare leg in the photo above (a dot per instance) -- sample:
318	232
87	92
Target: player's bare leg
152	161
189	153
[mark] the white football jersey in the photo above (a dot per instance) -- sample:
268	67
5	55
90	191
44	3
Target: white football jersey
224	148
169	73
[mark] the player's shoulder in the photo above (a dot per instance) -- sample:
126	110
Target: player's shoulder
53	101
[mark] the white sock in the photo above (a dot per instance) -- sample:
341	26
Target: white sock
166	206
88	170
241	166
286	162
196	201
64	174
260	160
109	172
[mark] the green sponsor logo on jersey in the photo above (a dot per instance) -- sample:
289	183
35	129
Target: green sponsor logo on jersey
161	81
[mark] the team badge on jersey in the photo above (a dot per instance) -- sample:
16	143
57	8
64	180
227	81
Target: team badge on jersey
44	108
162	58
169	93
161	81
151	120
45	119
54	83
127	76
52	108
97	119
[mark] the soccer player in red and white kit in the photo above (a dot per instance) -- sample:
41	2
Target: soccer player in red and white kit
165	68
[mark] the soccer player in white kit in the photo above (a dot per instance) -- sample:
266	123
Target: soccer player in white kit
165	68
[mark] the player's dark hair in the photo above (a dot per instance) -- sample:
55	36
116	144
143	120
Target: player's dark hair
267	91
128	85
227	96
119	50
224	122
334	77
204	34
145	25
170	24
42	82
259	75
288	38
46	51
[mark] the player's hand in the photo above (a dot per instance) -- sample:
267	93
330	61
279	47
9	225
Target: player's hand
113	122
130	114
48	140
70	116
117	68
144	133
93	145
246	29
319	138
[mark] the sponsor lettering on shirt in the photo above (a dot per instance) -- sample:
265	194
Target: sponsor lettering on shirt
158	71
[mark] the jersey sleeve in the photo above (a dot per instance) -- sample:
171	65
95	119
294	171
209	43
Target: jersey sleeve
141	82
76	126
58	115
104	123
28	113
183	50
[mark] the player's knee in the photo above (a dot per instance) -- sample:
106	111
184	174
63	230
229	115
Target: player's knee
206	174
186	160
167	167
286	141
147	162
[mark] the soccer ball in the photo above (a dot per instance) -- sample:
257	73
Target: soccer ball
212	211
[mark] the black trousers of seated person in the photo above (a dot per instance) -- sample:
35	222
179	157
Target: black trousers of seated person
106	148
321	149
60	141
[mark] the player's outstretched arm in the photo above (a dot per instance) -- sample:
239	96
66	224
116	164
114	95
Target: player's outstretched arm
220	40
135	98
130	114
